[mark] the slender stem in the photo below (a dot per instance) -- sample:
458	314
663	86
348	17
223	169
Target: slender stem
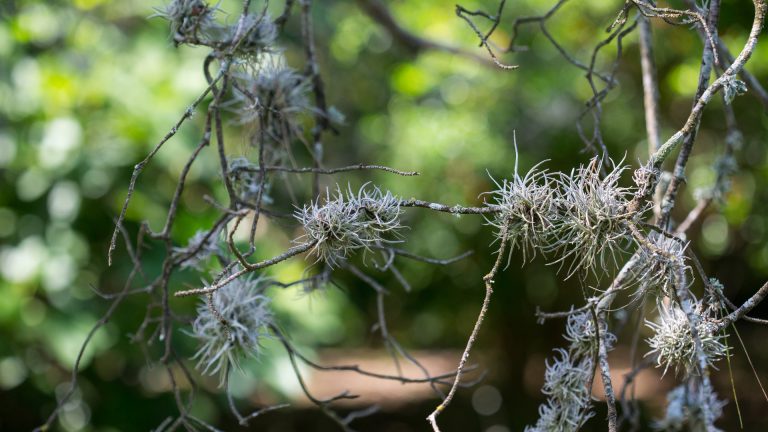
139	167
488	279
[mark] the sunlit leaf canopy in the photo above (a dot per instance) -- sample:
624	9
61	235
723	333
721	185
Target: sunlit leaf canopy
88	87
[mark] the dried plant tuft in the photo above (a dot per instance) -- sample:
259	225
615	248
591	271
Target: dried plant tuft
245	179
258	35
673	343
527	206
591	230
275	97
568	405
231	325
190	19
201	247
580	332
344	224
662	262
685	407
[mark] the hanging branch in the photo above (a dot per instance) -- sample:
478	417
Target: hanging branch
488	280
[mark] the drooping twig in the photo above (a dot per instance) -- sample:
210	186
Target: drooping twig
357	369
381	14
118	299
243	420
464	14
140	166
409	255
488	280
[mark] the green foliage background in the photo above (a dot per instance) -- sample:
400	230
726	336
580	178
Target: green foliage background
88	87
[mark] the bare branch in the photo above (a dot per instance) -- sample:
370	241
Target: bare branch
488	279
378	12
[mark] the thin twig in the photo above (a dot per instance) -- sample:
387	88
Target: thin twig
138	168
488	280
